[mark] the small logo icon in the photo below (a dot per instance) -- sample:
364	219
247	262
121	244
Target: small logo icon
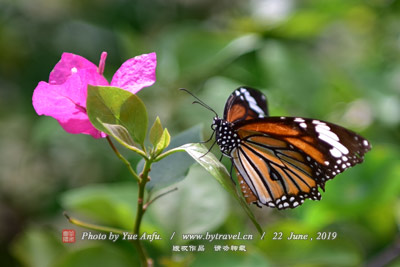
68	236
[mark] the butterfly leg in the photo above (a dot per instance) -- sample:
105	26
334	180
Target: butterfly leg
208	140
209	149
230	173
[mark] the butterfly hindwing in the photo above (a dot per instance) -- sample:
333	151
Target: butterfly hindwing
284	160
274	172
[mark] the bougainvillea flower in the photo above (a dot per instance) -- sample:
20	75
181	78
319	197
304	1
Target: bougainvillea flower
64	96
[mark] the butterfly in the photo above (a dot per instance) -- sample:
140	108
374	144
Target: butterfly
281	161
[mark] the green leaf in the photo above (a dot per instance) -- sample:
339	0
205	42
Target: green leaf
98	255
163	142
35	247
218	170
173	168
251	257
112	105
199	205
155	132
120	133
109	204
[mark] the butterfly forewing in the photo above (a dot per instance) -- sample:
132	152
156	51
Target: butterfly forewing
330	145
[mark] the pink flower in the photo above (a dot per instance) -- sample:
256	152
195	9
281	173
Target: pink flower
64	97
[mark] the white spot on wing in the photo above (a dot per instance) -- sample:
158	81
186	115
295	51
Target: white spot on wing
334	143
335	152
322	126
325	134
252	102
325	130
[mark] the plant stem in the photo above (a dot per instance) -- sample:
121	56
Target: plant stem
127	163
94	226
169	152
142	180
157	197
145	261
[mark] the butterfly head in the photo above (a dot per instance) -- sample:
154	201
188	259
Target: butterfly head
216	122
226	136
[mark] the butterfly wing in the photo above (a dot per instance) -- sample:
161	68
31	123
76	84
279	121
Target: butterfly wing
245	103
284	160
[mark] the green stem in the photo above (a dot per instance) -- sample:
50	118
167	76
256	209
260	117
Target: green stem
135	149
94	226
142	180
145	261
169	152
145	206
127	163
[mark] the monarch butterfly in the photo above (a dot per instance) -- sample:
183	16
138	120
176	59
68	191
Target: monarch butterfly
281	161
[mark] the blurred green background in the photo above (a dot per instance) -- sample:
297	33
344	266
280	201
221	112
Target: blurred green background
333	60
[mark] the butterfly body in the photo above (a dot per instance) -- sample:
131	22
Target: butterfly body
226	136
281	161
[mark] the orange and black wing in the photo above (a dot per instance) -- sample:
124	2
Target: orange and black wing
281	161
245	103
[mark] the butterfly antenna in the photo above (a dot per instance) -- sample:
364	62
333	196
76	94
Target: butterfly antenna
199	101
